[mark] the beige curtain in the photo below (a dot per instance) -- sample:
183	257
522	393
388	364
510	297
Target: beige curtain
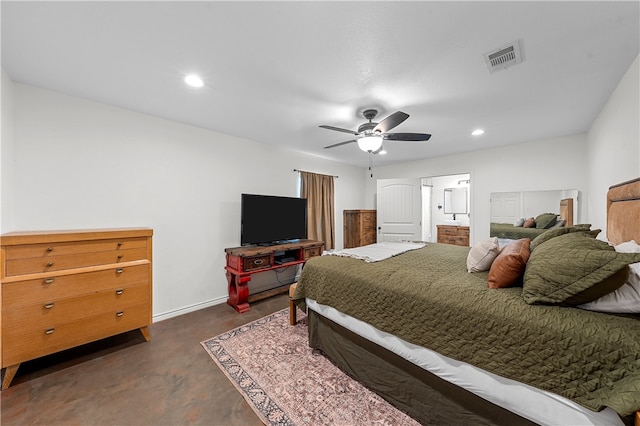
318	190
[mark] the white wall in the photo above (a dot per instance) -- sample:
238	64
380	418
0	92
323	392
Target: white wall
614	143
535	166
6	152
81	164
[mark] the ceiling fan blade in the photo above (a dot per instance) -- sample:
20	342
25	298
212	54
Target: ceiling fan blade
390	122
338	129
340	144
408	137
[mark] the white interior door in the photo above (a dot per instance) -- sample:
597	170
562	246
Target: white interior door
399	210
505	207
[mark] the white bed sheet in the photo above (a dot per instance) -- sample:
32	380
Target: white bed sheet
542	407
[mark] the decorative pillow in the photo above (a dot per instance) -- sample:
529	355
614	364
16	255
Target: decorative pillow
630	247
529	223
482	254
626	299
574	269
518	223
508	267
556	232
546	220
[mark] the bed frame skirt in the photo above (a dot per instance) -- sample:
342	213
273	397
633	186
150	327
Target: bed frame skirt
419	393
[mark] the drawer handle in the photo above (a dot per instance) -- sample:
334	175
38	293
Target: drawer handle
119	256
49	305
258	261
119	314
49	264
119	244
49	280
49	331
49	248
119	291
119	270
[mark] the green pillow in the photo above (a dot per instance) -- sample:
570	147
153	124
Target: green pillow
556	232
546	220
573	269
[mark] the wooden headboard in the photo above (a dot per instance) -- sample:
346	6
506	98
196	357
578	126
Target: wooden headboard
566	211
623	212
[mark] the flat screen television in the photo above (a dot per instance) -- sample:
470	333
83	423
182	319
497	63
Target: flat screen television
270	219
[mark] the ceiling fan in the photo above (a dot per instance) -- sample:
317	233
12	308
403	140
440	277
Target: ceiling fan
372	134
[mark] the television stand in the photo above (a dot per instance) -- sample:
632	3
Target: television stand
242	262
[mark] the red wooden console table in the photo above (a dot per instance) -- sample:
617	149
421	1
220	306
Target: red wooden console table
242	262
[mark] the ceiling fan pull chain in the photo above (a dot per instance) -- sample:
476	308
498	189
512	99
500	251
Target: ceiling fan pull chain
371	163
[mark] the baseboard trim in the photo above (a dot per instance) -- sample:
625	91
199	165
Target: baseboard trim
190	308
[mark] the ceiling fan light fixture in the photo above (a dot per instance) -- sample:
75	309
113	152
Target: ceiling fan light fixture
370	143
193	80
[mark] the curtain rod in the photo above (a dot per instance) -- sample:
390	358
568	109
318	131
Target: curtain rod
296	170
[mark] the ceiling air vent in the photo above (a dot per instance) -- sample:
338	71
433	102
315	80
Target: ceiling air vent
504	57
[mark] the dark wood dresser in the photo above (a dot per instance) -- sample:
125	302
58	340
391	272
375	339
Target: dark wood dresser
359	228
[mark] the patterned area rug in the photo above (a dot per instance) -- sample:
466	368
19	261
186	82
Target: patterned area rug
271	364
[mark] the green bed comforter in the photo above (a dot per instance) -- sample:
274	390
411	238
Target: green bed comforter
428	298
508	231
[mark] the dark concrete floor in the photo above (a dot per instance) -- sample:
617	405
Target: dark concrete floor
124	380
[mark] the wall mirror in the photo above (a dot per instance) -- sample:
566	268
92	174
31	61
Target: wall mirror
508	207
455	201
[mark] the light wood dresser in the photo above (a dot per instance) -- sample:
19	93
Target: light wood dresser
452	234
359	228
61	289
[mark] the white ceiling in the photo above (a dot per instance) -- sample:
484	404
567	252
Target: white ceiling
275	71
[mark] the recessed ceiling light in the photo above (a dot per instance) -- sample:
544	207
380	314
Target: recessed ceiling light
382	152
477	132
193	80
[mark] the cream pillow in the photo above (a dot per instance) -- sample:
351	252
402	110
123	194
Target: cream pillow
482	254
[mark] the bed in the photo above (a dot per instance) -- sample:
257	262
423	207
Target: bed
432	339
509	231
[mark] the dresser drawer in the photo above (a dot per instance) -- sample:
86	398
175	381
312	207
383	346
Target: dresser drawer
369	218
44	290
66	248
42	316
37	343
459	241
312	252
56	263
368	239
444	230
256	262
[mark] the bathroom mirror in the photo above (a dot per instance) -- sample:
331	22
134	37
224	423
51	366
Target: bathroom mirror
455	201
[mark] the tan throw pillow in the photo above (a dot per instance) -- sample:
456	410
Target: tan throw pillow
529	223
508	267
482	254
